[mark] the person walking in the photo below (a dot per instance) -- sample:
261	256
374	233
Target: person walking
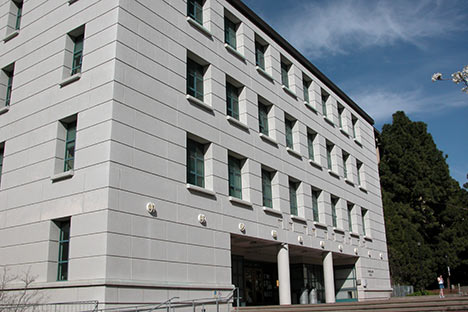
440	280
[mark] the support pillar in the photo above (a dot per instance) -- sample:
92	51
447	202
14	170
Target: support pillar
283	275
328	277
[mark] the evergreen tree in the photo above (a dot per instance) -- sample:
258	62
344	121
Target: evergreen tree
425	221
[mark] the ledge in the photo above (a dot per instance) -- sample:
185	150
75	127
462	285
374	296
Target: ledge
198	26
320	225
237	123
241	202
309	106
11	35
349	181
368	238
199	189
362	188
196	101
357	142
328	120
268	139
4	109
333	173
264	73
338	230
289	91
235	52
70	79
353	234
62	176
315	164
344	131
272	211
293	152
298	219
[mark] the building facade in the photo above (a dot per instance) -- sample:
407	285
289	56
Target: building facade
151	149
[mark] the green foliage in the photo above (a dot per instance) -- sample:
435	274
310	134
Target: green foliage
425	209
420	293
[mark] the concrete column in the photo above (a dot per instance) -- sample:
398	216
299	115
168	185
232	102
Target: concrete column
283	275
328	277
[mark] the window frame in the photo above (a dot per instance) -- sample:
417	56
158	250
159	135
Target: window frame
194	14
311	137
345	157
70	141
77	58
329	148
285	67
340	116
19	14
288	129
235	175
364	212
263	125
350	208
293	206
64	240
267	190
9	86
2	157
195	72
196	151
316	193
306	83
260	50
333	204
230	32
324	98
232	103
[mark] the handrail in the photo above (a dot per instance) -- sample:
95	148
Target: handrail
163	303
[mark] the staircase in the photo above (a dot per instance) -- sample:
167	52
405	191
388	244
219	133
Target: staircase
404	304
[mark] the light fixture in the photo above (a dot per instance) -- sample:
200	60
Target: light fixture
274	234
242	227
202	218
151	207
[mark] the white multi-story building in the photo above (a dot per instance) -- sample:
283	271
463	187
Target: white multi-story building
151	148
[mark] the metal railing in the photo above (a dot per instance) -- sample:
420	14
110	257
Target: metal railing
75	306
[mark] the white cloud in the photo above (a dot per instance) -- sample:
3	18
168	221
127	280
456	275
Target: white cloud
381	104
321	28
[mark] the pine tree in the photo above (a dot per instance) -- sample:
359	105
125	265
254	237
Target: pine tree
425	223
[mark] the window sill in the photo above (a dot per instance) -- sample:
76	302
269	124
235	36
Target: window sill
349	181
268	139
199	189
241	202
368	238
272	211
264	73
4	109
357	142
353	234
315	164
328	120
333	173
198	26
338	230
298	219
235	52
237	123
308	105
293	152
289	91
344	132
196	101
70	79
11	35
320	225
62	176
362	188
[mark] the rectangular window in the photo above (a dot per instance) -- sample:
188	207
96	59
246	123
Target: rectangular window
315	204
305	87
266	189
64	246
235	177
285	73
260	55
7	81
310	143
350	219
293	197
69	160
195	73
263	118
334	202
195	163
340	115
230	32
77	54
364	217
232	98
325	96
359	171
19	14
195	10
2	152
329	155
345	160
289	125
354	123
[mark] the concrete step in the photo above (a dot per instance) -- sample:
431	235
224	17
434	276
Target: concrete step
406	304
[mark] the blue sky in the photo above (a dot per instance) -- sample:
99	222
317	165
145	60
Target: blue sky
383	54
